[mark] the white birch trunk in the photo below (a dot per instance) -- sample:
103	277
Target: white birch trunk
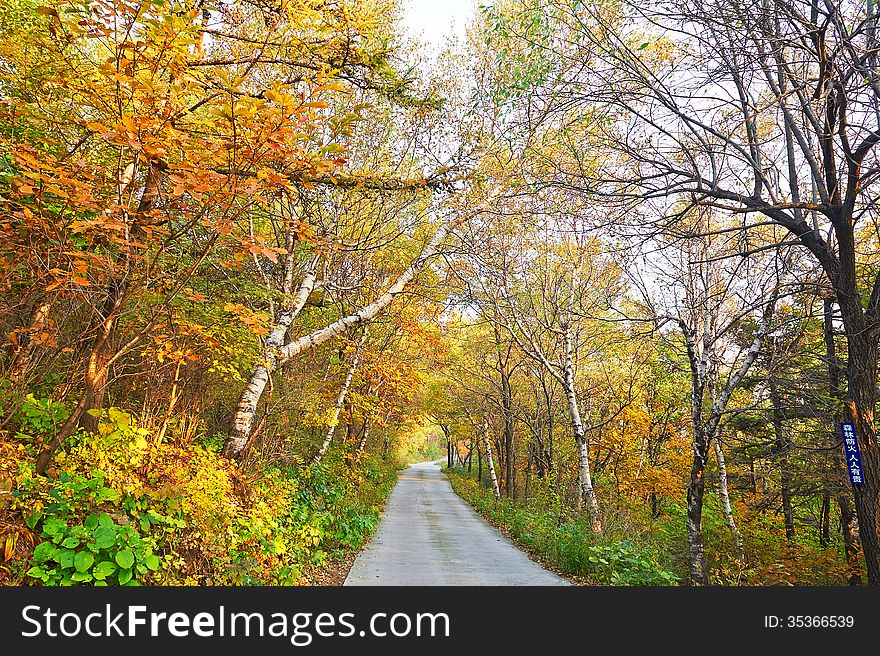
246	410
587	496
369	312
725	502
363	443
490	461
340	400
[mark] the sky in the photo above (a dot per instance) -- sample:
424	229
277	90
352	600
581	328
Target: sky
432	21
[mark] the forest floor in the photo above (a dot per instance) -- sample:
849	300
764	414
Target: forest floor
429	536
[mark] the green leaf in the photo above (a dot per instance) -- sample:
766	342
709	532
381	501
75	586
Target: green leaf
43	552
125	558
91	522
107	494
103	569
65	558
70	543
105	537
106	520
152	562
124	576
37	572
54	527
83	561
82	577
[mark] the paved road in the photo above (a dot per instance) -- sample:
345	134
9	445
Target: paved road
429	536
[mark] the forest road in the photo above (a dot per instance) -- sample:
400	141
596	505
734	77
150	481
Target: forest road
429	536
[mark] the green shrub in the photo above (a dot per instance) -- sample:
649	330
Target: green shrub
98	551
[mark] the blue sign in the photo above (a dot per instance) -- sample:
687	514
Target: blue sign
852	453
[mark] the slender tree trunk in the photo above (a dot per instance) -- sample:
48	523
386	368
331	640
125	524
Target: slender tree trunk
825	521
782	449
101	355
529	457
695	493
489	461
507	415
340	400
509	447
39	319
587	494
364	435
724	495
246	409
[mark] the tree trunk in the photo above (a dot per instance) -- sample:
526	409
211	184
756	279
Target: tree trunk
587	494
860	410
861	399
101	355
490	462
39	319
364	434
695	493
725	503
839	474
340	400
246	410
825	521
782	448
509	448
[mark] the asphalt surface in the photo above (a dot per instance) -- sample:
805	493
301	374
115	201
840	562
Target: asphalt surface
429	536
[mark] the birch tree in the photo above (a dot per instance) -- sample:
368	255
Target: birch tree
708	293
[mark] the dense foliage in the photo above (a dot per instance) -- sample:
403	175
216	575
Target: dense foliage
617	260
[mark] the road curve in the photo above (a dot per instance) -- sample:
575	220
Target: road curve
429	536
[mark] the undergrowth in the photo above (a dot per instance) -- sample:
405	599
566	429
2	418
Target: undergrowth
118	508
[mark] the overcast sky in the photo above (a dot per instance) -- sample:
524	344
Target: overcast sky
432	21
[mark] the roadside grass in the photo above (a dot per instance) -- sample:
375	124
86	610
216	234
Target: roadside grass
569	547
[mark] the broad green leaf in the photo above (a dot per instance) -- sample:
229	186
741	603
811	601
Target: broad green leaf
125	559
66	558
103	569
83	561
105	537
43	552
